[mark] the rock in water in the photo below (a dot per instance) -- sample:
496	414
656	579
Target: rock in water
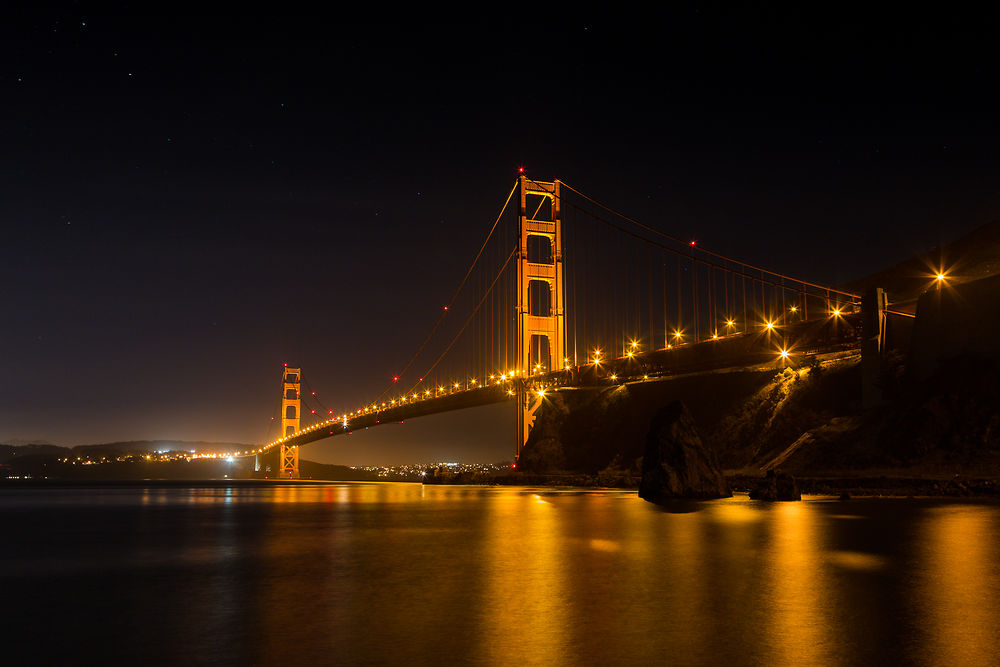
676	464
776	486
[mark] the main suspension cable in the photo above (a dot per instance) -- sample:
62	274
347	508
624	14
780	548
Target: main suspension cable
454	296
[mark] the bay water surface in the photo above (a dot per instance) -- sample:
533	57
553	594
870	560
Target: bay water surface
410	574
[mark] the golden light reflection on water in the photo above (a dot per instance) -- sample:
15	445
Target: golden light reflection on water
523	606
405	573
957	585
797	597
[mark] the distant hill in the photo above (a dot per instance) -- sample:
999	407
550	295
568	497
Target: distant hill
8	452
166	446
975	255
11	450
112	450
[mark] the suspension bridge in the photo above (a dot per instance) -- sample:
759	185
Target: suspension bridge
567	291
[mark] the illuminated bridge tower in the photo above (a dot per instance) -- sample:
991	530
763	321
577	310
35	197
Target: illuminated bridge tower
541	330
291	404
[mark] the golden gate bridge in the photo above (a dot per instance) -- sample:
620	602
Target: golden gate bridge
566	291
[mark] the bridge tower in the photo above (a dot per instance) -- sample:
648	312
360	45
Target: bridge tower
291	404
541	309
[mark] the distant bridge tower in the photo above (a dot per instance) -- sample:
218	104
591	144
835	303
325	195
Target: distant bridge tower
541	310
291	404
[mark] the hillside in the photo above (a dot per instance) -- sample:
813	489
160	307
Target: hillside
976	255
807	419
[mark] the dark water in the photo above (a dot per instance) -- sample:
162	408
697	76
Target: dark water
399	573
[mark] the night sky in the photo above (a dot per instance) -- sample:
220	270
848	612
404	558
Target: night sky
188	202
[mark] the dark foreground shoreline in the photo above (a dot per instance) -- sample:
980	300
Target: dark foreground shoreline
955	487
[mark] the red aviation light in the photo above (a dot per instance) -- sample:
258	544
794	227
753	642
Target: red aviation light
395	378
520	169
693	243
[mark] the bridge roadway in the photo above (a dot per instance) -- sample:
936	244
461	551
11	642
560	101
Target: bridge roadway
459	400
738	350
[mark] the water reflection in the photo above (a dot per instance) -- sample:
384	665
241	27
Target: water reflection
405	573
957	585
797	596
523	570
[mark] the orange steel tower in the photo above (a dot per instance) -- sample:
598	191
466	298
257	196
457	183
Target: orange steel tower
290	412
541	329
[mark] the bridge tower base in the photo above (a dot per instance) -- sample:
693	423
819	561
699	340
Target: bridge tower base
873	321
291	403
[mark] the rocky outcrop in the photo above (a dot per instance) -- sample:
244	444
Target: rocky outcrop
675	463
776	486
590	429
